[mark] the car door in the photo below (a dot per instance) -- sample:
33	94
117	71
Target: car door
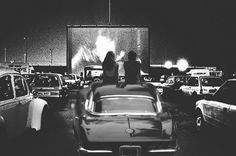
230	89
220	107
23	98
8	105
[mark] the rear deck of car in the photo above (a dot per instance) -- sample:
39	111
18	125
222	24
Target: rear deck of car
130	89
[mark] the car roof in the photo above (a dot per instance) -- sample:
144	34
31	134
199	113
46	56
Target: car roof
49	74
7	71
231	80
147	90
205	76
93	67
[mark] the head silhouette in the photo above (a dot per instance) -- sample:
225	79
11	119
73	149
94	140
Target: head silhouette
132	56
109	60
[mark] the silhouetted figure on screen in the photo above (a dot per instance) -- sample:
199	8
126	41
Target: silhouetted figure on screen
110	69
132	69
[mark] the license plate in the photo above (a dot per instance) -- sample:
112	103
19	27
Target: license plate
127	150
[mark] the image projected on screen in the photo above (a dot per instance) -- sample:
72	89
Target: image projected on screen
88	45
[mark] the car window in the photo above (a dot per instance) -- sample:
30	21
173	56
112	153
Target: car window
181	80
20	86
193	81
6	91
226	93
68	77
211	81
28	77
124	105
46	81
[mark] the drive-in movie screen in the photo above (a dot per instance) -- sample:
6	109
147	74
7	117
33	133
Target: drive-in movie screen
88	45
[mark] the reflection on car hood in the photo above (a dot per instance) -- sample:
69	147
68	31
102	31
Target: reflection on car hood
122	129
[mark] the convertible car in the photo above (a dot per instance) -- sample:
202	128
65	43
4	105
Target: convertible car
127	120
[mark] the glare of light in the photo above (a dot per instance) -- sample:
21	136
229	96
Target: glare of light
103	45
168	64
120	56
182	64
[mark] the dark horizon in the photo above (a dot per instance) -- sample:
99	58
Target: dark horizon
203	32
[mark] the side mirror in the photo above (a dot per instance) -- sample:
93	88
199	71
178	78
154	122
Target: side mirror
35	93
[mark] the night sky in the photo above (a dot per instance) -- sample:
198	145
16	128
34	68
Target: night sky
202	31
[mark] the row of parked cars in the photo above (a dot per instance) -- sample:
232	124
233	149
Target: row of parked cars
27	99
128	120
214	99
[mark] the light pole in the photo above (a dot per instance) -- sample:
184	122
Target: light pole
51	49
26	48
109	12
5	55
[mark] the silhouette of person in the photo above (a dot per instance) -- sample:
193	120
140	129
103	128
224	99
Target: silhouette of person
110	69
132	69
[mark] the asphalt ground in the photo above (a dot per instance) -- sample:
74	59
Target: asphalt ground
58	138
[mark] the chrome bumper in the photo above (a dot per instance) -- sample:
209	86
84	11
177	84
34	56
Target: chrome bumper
168	150
81	149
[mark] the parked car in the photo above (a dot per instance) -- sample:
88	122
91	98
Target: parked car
19	110
128	120
173	83
197	86
92	73
218	110
72	81
28	77
51	87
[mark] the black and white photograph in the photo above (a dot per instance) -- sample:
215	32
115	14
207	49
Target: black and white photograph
117	77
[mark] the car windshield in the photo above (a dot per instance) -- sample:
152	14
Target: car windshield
46	81
125	105
211	81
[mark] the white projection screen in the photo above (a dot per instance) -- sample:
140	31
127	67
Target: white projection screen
88	45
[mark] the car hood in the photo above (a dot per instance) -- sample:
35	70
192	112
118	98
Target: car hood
122	129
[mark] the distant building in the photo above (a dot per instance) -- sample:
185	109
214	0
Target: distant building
20	67
50	69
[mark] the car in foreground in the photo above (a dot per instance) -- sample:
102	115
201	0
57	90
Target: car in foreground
51	87
19	110
128	120
218	110
197	86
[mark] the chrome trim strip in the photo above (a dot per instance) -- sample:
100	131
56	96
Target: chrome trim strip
93	151
170	150
127	96
125	113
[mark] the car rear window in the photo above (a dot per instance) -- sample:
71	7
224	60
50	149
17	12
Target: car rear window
125	105
68	77
46	81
